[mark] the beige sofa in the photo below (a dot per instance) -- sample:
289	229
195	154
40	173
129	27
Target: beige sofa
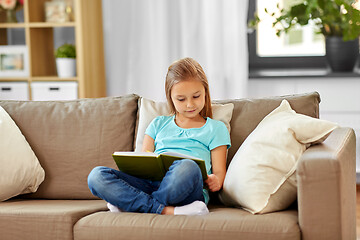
71	137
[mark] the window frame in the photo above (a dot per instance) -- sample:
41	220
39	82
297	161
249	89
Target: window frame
257	62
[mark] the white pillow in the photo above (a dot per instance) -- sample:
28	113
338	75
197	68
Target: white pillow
261	176
150	109
20	170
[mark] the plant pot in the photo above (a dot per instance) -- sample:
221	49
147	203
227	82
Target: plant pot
66	67
341	56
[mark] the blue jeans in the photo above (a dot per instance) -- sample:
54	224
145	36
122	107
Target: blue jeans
181	185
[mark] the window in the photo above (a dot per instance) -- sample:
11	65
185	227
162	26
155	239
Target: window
302	41
300	48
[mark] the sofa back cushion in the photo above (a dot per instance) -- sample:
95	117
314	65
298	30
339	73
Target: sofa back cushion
248	113
72	137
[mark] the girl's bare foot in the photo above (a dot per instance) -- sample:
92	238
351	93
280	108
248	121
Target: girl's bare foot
168	210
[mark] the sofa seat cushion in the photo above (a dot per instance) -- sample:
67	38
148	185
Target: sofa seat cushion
220	223
44	219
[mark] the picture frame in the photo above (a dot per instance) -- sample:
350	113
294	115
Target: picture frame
14	61
55	11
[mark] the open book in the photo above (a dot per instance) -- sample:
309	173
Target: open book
149	165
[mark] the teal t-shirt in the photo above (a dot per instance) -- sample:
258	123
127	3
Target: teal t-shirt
196	142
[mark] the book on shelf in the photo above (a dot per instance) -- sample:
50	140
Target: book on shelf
149	165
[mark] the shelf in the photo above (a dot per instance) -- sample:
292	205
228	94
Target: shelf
50	24
37	25
13	79
12	25
300	73
52	78
41	37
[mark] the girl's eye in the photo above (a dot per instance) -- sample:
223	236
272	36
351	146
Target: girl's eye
181	100
196	96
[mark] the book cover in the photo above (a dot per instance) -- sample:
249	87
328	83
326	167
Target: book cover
149	165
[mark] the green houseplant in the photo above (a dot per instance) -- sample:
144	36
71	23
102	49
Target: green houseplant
66	51
66	60
337	20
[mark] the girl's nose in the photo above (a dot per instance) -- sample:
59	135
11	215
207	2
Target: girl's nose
190	104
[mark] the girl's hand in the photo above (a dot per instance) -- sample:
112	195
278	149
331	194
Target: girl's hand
213	182
218	160
148	144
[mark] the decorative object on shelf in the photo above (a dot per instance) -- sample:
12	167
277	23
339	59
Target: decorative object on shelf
11	16
66	60
70	10
14	61
56	11
337	20
10	6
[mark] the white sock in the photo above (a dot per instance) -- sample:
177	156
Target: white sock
113	208
194	208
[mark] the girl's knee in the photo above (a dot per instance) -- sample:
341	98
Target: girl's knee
188	164
95	175
188	168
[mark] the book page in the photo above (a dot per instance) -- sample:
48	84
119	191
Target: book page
135	154
180	155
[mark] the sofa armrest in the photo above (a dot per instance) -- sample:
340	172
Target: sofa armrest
326	177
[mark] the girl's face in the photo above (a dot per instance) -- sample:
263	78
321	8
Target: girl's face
188	97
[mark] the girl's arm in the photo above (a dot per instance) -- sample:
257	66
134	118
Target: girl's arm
148	144
218	161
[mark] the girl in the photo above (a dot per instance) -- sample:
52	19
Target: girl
189	130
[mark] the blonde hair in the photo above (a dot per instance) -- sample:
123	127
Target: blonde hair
183	70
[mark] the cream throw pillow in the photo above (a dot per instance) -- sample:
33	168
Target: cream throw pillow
20	170
150	109
261	176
